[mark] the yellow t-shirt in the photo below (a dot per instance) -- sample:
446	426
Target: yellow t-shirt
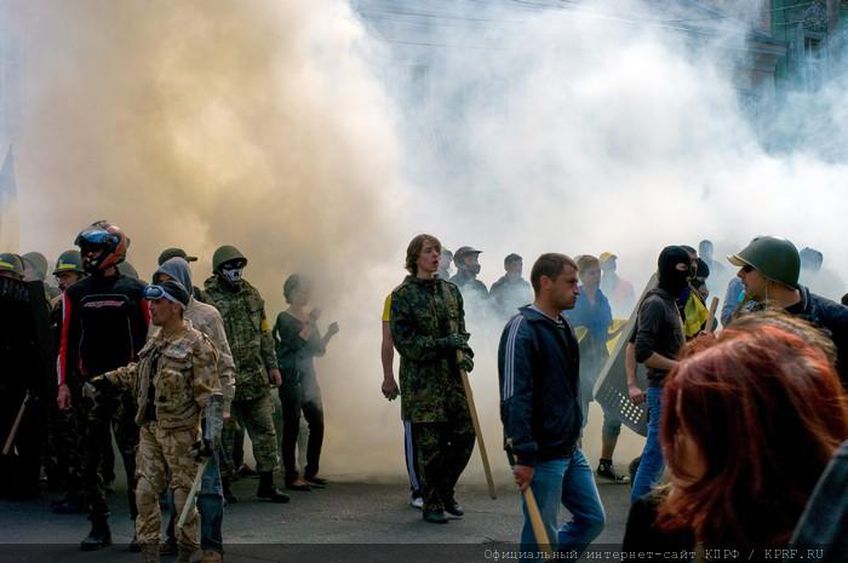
387	309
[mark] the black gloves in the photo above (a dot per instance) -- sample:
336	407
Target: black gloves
453	341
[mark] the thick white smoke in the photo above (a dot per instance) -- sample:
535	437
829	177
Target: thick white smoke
319	137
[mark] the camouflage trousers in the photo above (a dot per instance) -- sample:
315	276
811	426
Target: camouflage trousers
255	416
443	450
163	454
96	417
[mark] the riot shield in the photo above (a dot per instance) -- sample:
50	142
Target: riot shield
611	387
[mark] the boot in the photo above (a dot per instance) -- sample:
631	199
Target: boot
211	556
135	547
228	492
99	536
184	554
150	553
268	491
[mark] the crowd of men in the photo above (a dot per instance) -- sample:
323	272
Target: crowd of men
547	372
175	371
172	371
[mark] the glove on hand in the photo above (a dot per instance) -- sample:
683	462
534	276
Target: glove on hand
452	341
466	364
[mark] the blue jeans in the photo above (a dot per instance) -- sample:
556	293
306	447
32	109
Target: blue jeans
652	465
210	504
570	481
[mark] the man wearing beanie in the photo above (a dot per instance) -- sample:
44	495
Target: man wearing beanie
174	381
210	499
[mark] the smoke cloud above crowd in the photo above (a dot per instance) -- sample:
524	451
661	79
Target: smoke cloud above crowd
315	139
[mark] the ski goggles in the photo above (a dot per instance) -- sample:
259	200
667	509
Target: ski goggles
170	290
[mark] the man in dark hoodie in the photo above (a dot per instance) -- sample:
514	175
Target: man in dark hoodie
659	340
538	369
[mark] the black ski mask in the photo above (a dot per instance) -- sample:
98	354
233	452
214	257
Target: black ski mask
671	279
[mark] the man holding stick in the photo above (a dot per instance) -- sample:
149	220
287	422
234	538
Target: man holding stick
538	369
428	328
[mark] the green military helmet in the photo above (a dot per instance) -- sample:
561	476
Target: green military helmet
226	254
12	263
69	261
774	258
37	263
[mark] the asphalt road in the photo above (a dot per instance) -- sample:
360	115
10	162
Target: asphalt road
347	521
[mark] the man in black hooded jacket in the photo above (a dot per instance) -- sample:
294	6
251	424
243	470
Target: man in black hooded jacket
659	340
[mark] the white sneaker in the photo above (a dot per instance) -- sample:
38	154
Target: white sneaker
417	502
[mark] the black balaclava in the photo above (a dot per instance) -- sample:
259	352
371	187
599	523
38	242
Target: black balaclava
671	279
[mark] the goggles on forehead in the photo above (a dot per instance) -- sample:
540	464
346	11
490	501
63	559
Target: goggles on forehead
156	292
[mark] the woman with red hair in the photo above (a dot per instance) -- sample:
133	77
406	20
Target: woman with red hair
751	423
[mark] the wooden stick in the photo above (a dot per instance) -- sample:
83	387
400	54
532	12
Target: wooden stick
469	396
12	433
192	493
711	319
539	531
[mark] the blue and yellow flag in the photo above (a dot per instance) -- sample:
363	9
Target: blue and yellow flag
696	314
8	205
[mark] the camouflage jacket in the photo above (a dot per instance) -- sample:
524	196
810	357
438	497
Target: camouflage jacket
180	370
422	312
248	334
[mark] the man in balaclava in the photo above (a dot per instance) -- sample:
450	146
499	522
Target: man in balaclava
659	340
252	346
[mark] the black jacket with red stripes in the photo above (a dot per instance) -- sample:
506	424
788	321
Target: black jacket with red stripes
104	326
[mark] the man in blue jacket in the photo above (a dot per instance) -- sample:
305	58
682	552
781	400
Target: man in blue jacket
538	367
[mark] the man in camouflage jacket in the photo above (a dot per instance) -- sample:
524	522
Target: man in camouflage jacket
252	346
173	383
428	328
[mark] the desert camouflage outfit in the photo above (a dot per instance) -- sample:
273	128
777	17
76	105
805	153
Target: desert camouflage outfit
423	313
252	347
172	383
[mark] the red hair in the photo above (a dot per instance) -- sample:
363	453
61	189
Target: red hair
766	411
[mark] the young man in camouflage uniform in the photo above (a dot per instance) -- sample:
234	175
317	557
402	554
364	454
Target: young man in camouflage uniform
252	345
428	329
174	382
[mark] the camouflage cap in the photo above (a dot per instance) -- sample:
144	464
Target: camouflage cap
463	251
174	252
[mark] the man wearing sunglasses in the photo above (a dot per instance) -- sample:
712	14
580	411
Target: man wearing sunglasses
173	383
104	326
769	268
